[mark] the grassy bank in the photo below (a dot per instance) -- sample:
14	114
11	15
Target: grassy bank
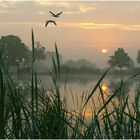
35	112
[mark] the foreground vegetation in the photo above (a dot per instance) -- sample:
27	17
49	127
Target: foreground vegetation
36	112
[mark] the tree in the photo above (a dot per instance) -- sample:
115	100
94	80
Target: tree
120	59
13	51
39	51
80	63
138	56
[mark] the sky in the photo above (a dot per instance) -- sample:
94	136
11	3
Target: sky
83	30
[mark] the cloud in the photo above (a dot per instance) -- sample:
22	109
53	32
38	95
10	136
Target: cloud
84	8
27	24
4	12
41	12
53	3
81	25
92	25
37	24
3	4
9	3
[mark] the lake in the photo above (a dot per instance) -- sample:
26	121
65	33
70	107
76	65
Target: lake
76	88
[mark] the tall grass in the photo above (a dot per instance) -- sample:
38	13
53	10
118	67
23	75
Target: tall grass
44	113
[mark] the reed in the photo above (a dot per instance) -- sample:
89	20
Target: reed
44	113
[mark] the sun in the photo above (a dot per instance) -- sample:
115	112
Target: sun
104	50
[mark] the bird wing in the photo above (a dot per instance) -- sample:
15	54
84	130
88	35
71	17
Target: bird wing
54	23
59	13
47	22
52	13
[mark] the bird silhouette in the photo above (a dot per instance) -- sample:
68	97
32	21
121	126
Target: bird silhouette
55	15
50	21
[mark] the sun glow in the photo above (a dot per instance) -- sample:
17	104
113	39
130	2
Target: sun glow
104	50
104	88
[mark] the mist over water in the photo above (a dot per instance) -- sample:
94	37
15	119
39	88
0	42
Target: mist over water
77	85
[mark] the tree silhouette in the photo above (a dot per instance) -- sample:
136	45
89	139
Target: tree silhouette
39	51
13	50
138	56
120	59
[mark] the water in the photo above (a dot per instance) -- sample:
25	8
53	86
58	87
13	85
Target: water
76	88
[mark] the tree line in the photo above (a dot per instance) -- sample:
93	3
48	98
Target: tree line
14	52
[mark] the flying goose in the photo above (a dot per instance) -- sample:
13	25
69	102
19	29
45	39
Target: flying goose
50	21
55	15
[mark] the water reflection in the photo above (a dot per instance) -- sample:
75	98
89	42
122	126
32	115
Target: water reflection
104	88
76	89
